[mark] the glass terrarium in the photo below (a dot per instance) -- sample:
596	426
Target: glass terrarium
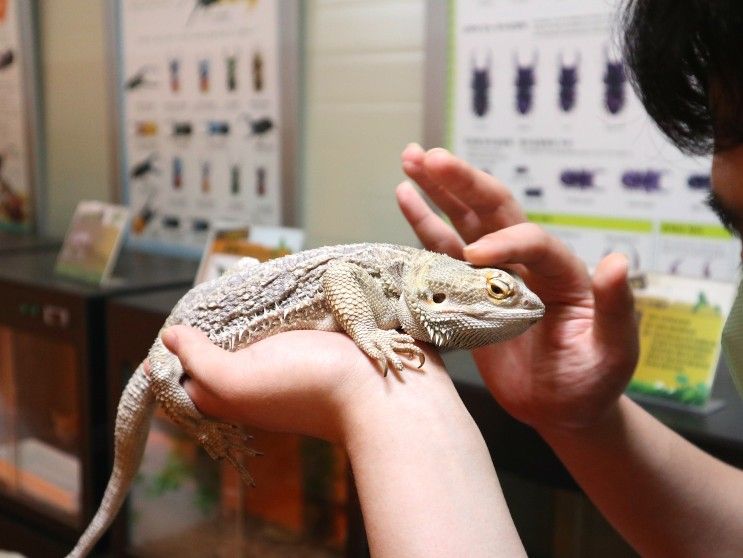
185	504
40	434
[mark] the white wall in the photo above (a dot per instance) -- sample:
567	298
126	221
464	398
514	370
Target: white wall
75	116
364	82
364	71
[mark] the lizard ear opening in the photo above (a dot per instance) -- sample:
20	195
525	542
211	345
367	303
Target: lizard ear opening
438	298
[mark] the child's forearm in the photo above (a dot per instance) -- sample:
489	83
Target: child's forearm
424	475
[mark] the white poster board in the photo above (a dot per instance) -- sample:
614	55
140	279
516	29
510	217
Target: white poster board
200	116
539	98
17	126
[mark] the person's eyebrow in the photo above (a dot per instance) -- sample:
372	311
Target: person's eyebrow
730	218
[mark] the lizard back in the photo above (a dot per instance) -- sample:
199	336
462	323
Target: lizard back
286	293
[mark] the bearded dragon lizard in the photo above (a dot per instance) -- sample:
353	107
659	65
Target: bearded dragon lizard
369	291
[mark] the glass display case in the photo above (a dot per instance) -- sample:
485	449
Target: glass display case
54	459
183	503
40	424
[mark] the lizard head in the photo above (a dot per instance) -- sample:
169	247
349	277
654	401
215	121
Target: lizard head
457	306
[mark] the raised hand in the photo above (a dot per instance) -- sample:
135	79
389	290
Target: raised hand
568	370
475	202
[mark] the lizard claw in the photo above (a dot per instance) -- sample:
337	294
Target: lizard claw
222	440
242	470
385	345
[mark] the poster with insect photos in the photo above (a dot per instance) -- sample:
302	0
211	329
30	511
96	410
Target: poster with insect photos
200	116
539	96
17	117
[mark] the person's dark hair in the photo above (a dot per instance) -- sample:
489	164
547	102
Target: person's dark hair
685	60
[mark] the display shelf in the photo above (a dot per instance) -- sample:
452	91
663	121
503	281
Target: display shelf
53	424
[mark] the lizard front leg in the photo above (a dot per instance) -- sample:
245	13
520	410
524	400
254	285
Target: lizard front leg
359	305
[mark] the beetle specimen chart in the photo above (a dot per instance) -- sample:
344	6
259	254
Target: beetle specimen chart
540	97
200	116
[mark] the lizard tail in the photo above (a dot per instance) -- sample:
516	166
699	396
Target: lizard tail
132	426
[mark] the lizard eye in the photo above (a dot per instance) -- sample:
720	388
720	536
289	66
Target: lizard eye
498	289
438	298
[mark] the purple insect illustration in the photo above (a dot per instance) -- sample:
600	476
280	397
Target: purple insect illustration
581	179
568	81
525	81
699	181
642	180
174	70
480	87
615	81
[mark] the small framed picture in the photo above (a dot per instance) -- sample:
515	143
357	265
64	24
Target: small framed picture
93	241
231	243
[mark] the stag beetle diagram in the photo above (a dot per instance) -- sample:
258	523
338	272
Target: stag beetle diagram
202	115
542	99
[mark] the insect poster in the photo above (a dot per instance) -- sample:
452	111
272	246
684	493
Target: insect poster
17	117
539	96
201	119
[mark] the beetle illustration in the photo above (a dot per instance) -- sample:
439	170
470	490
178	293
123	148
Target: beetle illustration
201	5
203	75
200	225
235	179
480	86
642	180
140	79
568	81
177	173
6	59
699	181
204	5
525	81
169	222
145	128
259	126
144	216
615	81
144	168
260	179
218	128
182	129
206	182
582	179
231	68
257	71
